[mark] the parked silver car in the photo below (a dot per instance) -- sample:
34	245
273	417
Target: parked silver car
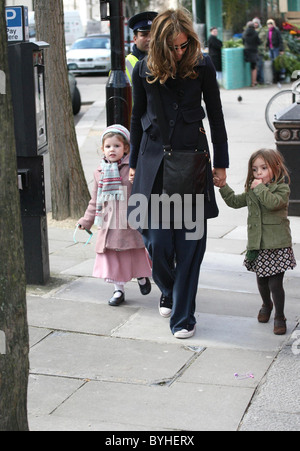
90	54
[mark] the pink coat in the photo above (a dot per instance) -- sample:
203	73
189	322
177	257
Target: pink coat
111	235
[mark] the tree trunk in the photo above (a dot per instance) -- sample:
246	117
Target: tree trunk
69	191
14	366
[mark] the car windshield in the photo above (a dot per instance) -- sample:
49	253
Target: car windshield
93	43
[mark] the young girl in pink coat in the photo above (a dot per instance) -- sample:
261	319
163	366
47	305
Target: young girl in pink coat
121	254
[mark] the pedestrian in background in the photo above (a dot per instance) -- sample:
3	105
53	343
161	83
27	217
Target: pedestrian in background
182	75
275	46
270	251
262	34
251	43
215	51
120	251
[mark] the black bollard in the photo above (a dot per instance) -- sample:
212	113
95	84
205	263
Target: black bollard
118	89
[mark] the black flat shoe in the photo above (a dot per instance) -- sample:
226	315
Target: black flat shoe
146	288
116	301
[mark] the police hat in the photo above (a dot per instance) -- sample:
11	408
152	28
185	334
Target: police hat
142	21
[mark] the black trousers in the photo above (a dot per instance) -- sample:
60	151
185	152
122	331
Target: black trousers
176	264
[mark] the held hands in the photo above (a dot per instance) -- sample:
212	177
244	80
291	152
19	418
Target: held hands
219	177
131	175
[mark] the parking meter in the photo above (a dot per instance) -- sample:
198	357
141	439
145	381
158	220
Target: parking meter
26	65
26	60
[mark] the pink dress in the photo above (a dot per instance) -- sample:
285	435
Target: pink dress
120	254
122	266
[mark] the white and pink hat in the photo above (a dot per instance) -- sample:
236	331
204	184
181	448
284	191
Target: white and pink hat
118	129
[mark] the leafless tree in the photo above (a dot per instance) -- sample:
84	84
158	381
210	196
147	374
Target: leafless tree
14	366
69	191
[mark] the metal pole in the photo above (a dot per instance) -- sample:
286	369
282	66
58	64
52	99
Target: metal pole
118	89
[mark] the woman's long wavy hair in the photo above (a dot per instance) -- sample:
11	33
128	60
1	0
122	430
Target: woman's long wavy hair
161	61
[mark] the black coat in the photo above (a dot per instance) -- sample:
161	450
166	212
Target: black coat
184	112
251	42
215	52
277	41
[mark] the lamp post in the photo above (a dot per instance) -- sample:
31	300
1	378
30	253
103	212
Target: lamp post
118	89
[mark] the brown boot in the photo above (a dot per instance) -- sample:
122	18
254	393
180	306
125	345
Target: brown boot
264	314
280	326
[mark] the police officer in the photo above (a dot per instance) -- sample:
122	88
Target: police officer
141	25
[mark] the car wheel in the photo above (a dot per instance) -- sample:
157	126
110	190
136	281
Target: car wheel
76	101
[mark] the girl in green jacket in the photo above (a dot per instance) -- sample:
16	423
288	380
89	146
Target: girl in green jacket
269	251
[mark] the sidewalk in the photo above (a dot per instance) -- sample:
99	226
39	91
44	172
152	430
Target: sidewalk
97	368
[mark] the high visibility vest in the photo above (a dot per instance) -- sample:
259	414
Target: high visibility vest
130	62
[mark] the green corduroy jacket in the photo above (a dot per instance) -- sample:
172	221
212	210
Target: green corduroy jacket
268	223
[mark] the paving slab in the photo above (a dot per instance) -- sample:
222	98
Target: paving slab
219	366
184	407
82	356
37	334
275	406
218	331
82	269
46	393
230	303
77	316
242	282
88	289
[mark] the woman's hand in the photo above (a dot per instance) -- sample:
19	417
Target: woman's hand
131	175
220	177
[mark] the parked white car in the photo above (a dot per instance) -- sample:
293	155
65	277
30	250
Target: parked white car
90	54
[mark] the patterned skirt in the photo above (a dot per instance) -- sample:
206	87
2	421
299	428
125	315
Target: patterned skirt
270	262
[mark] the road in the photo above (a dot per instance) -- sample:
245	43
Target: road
88	86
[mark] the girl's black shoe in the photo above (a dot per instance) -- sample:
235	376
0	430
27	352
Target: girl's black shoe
146	288
115	301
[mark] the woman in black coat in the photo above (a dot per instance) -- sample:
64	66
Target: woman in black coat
251	42
176	63
275	46
215	50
